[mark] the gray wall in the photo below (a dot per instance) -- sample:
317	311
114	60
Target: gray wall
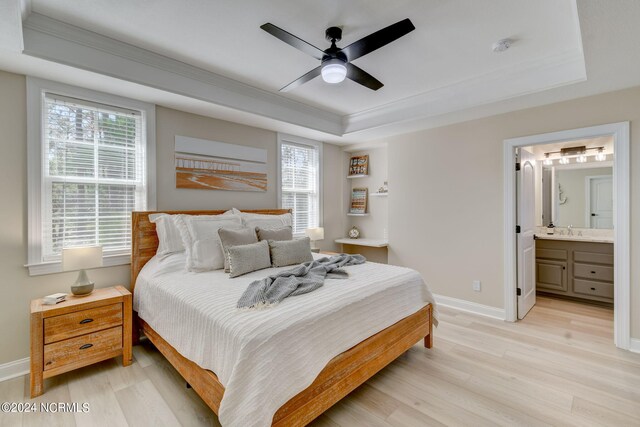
446	198
19	288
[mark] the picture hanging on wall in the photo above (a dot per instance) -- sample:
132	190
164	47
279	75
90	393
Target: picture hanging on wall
212	165
359	165
358	201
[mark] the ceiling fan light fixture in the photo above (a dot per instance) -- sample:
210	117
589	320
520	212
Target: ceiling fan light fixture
334	71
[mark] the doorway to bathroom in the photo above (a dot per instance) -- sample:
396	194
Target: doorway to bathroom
557	210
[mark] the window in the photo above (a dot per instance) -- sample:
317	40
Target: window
92	163
299	180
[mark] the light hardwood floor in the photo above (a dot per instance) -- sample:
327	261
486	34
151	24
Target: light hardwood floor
557	367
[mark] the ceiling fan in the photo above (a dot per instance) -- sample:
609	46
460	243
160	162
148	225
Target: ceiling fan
336	63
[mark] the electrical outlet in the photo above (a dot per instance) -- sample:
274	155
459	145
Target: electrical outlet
476	285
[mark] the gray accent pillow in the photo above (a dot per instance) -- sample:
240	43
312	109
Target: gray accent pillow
230	237
244	259
283	233
289	252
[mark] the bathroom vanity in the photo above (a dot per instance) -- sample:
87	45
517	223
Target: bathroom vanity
575	267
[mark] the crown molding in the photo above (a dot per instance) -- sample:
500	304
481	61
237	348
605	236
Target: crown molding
53	40
542	74
56	41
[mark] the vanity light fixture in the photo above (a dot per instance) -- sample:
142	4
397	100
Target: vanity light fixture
579	153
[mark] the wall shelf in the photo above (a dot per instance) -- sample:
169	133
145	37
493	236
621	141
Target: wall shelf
378	194
357	176
357	214
373	243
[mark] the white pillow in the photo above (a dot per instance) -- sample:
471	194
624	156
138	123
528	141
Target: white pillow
169	238
201	241
252	220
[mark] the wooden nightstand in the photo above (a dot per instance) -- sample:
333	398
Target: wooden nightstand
79	332
330	253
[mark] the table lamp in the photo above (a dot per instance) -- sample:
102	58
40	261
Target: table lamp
79	259
314	234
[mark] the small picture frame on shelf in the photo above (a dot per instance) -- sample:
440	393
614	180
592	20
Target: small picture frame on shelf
358	201
359	165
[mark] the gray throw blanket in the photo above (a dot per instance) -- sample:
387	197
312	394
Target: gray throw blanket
299	280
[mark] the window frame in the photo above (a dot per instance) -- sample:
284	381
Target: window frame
36	89
284	138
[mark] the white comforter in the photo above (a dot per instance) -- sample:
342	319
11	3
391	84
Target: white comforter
265	357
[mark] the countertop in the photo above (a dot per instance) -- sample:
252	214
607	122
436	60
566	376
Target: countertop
575	238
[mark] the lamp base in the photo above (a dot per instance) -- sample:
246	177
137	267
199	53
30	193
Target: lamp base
82	286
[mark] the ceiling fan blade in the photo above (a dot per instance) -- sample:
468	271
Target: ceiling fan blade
292	40
309	76
378	39
360	76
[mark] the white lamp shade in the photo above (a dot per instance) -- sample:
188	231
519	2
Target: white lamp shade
81	258
316	233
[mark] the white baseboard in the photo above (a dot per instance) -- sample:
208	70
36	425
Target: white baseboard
14	369
634	345
471	307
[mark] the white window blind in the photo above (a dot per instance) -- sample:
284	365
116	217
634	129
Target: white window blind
93	175
300	176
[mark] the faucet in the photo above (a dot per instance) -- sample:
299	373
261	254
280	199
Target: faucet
570	230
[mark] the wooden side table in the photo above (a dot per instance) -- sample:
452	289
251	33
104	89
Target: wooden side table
79	332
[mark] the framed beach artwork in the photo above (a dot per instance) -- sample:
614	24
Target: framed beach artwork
212	165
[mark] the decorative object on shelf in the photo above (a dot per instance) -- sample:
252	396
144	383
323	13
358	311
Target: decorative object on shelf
354	233
79	259
212	165
384	188
358	201
315	234
359	165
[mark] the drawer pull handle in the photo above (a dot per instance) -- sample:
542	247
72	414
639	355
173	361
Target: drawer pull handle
593	289
83	321
86	346
593	272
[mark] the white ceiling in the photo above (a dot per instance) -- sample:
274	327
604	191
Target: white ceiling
451	43
441	73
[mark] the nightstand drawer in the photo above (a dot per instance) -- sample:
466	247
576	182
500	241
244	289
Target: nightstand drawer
83	350
58	328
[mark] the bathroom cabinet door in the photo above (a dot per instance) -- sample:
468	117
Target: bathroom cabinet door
551	275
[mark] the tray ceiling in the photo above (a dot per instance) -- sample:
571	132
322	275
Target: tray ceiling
211	58
451	45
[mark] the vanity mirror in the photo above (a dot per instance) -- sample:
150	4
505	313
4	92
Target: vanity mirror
580	195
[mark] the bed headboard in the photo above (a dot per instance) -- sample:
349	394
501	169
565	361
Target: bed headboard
144	240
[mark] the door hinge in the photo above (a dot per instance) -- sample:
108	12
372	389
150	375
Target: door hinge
518	291
517	229
517	166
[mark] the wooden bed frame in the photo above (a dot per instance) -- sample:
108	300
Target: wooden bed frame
343	374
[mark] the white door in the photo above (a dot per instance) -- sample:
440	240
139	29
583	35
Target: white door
526	251
601	201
